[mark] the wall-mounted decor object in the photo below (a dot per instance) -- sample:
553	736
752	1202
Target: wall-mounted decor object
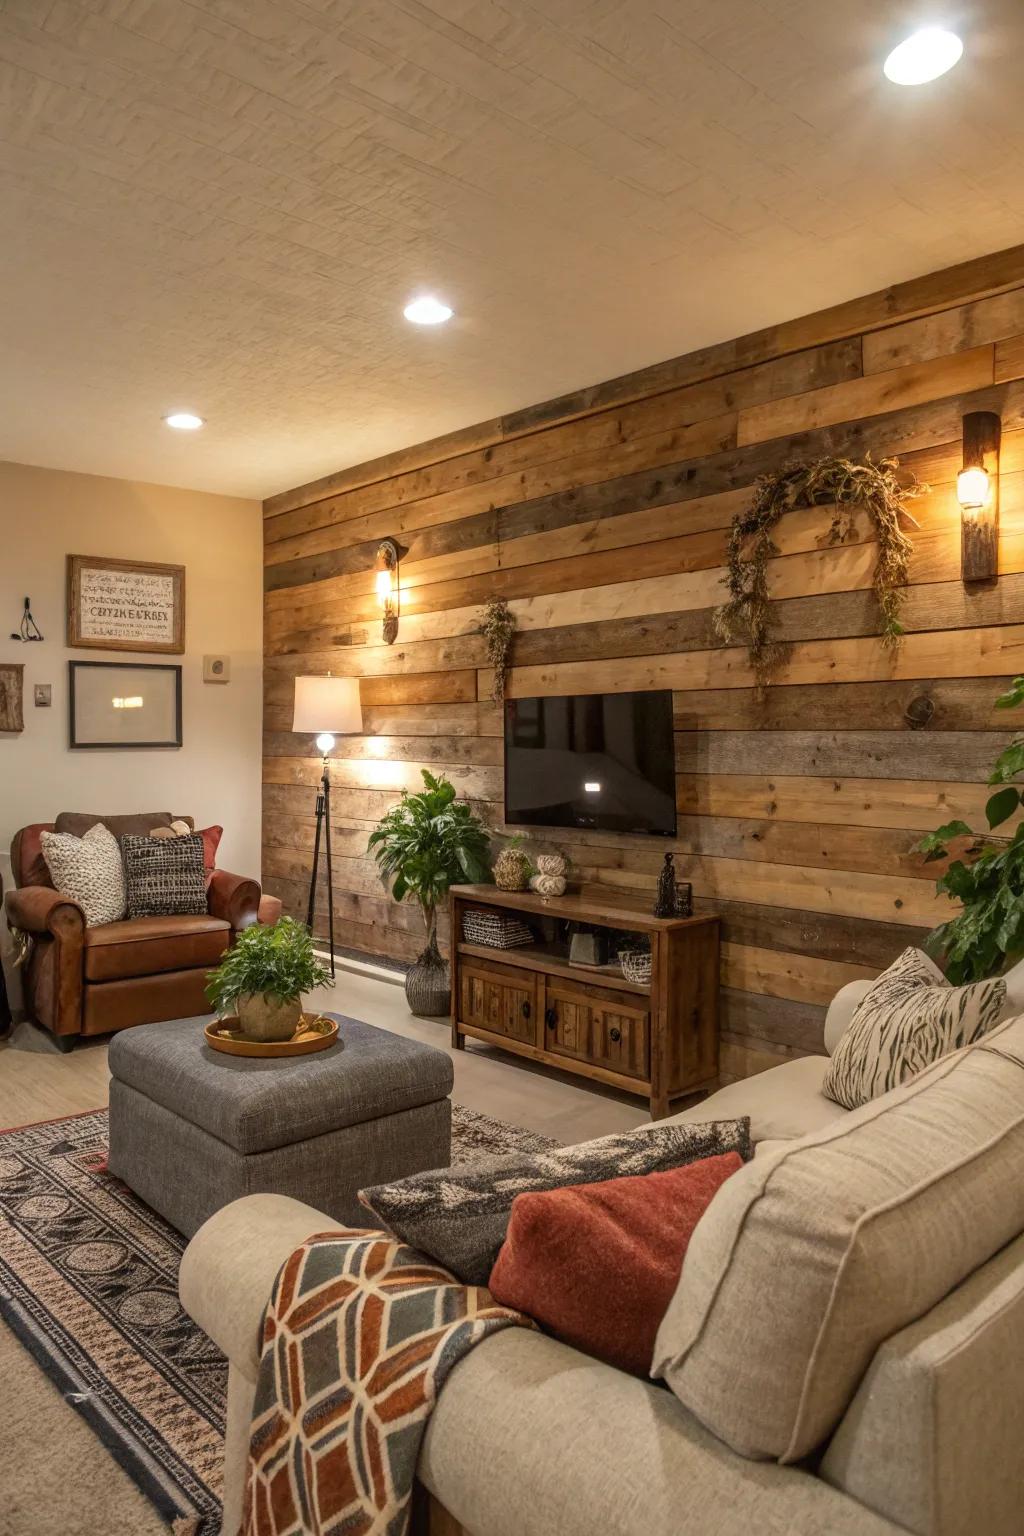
386	581
216	669
977	490
845	487
42	695
126	605
12	676
28	629
124	705
498	628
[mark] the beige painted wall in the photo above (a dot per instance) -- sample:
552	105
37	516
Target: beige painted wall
215	776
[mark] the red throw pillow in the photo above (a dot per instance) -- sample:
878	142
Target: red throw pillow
211	837
597	1264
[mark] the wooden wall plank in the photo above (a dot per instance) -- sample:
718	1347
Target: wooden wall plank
777	974
957	704
914	384
951	330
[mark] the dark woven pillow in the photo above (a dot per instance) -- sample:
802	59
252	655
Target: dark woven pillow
459	1216
165	876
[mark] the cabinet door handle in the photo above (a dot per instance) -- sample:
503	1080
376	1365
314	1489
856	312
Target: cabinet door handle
527	1010
551	1018
615	1034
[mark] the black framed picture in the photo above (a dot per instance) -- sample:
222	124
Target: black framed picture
115	704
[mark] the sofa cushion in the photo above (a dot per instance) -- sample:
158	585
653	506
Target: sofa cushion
142	946
137	824
88	870
809	1258
782	1103
459	1216
910	1017
532	1438
596	1264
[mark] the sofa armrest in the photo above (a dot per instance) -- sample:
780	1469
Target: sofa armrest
229	1268
235	898
40	909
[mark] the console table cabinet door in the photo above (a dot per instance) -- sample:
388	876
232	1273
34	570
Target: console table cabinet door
599	1028
502	1000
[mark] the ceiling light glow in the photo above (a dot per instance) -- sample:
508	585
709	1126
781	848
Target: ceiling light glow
184	421
427	310
924	56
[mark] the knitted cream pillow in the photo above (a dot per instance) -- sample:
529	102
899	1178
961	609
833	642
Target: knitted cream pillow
88	870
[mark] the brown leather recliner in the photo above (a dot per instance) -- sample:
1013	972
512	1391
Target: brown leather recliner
91	981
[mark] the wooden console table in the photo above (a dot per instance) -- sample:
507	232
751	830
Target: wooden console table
659	1040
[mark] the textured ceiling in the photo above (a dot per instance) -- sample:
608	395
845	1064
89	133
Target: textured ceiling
222	205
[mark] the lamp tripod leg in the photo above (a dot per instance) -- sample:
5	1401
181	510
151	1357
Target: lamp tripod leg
325	799
310	909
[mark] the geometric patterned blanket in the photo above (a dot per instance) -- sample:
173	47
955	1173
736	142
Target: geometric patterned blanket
358	1338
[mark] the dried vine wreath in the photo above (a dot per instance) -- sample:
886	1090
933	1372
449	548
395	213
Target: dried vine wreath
498	628
850	487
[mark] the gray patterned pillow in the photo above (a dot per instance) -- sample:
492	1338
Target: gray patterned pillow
910	1018
459	1216
165	876
87	870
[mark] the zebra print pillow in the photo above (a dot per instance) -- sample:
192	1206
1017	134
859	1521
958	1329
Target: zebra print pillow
910	1018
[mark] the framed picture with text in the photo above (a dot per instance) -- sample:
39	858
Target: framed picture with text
116	704
125	605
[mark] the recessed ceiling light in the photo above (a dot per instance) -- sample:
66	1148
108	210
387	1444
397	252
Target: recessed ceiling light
923	57
427	311
184	421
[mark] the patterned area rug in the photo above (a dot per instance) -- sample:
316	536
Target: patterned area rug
89	1284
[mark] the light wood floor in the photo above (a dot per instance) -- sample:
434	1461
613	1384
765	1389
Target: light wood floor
38	1082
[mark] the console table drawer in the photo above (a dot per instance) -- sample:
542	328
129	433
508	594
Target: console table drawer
598	1027
499	998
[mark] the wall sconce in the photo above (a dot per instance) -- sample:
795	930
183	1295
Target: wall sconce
977	490
386	568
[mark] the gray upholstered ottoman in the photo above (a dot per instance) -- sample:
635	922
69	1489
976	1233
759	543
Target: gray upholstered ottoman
192	1129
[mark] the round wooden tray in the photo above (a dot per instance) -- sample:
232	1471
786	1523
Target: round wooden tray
316	1033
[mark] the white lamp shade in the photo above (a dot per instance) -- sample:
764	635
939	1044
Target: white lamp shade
328	704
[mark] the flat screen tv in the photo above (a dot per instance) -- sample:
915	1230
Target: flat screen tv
599	760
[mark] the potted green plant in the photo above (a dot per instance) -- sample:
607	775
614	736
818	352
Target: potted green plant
263	976
987	878
427	843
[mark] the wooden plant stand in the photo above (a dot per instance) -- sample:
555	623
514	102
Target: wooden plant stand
659	1040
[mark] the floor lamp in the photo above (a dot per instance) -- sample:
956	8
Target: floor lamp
330	707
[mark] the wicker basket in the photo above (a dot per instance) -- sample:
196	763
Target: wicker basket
636	966
495	930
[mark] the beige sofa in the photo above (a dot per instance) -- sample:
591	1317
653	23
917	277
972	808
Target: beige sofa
531	1438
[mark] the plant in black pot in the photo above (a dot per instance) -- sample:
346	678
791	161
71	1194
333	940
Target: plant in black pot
263	976
429	842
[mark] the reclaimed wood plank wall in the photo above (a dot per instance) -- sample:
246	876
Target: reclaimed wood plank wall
603	518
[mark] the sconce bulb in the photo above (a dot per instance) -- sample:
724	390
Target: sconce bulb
383	585
972	487
325	742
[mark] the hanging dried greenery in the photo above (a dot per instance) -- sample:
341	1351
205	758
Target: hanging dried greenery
850	488
498	628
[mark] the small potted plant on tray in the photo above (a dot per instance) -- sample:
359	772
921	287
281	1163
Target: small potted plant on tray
263	976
